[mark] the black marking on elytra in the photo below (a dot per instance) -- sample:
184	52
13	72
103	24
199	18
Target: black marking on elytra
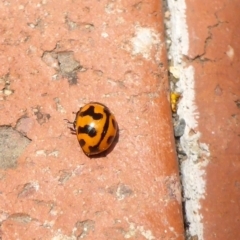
90	112
108	150
95	148
106	125
98	103
110	139
87	129
82	142
114	123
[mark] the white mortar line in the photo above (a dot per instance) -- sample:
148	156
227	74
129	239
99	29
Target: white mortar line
193	168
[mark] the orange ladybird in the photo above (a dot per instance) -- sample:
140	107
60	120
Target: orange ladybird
95	127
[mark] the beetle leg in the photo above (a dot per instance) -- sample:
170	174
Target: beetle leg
72	129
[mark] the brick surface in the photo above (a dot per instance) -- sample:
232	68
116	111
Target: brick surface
55	57
217	94
205	62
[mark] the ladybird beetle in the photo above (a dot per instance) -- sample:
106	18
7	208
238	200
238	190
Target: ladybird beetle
95	127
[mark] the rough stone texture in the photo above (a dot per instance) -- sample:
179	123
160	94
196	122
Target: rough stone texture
114	54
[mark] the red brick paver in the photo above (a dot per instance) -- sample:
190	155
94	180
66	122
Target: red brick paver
55	57
217	87
206	60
